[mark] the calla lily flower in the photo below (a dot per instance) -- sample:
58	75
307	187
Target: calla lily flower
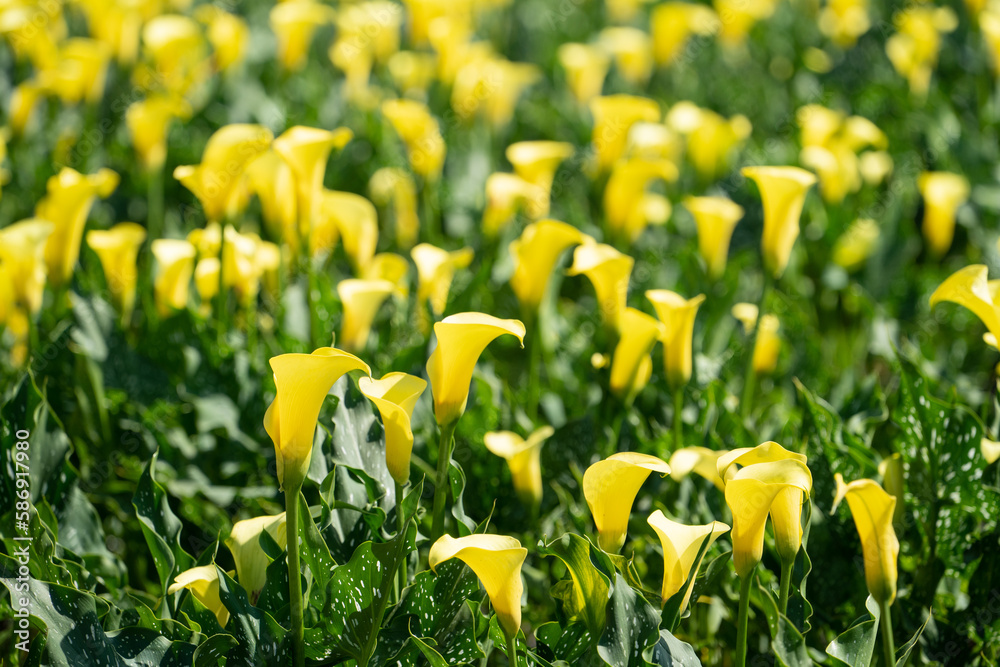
82	71
613	116
175	264
492	87
496	560
307	150
625	198
768	345
654	141
739	17
783	192
361	300
392	267
711	139
873	509
206	282
506	195
203	583
421	134
118	248
672	23
631	365
148	124
943	193
395	396
272	180
586	68
535	255
716	217
536	162
632	50
623	11
22	256
681	546
461	339
893	481
412	72
177	50
302	382
227	33
435	271
67	204
699	460
294	23
610	487
990	450
677	314
969	287
524	458
609	272
244	544
856	245
23	99
746	313
843	21
914	49
390	185
356	220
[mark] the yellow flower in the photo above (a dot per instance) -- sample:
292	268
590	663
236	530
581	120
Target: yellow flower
586	68
969	287
783	192
241	270
535	255
69	196
893	477
624	195
768	345
699	460
715	217
739	16
613	116
610	487
203	583
506	195
677	315
873	509
356	220
653	141
524	459
461	339
307	150
175	264
361	300
450	36
875	166
623	11
22	255
244	544
632	50
177	50
672	23
492	87
272	180
392	267
844	21
943	193
227	33
856	244
294	23
631	364
990	450
435	271
609	272
419	131
711	139
148	124
206	281
81	73
118	248
412	72
536	162
390	185
913	50
395	396
496	560
681	546
302	382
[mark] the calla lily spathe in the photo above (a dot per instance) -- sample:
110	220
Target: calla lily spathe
631	364
244	544
856	245
990	450
435	271
419	131
227	33
506	195
716	218
307	150
677	315
395	396
969	287
491	86
914	49
395	187
496	560
175	265
681	546
176	47
613	116
943	193
148	123
586	67
783	192
768	345
711	139
272	180
536	162
203	583
609	272
118	248
22	256
873	510
293	24
355	219
361	300
672	23
524	458
461	339
535	255
610	487
625	196
699	460
632	51
392	267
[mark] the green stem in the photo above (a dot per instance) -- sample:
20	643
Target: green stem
221	297
534	353
512	651
154	203
749	376
888	645
400	527
741	623
441	483
786	581
678	422
294	574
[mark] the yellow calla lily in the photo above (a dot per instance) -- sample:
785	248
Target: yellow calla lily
435	271
23	99
356	220
969	287
461	339
506	195
783	193
177	50
395	395
856	244
307	150
943	193
22	256
272	180
843	21
873	510
244	544
203	583
654	141
631	365
535	255
768	345
294	23
227	33
496	560
893	474
524	458
175	264
536	162
148	124
390	185
361	300
711	139
613	116
699	460
302	382
67	202
672	23
681	546
678	315
392	267
716	218
609	272
421	134
914	49
610	487
118	248
586	68
206	282
82	71
746	313
738	17
632	51
412	72
492	87
990	450
624	194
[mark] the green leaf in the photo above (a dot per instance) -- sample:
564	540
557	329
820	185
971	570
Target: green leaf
433	657
259	637
855	646
672	652
213	650
436	602
160	526
903	653
571	644
787	643
314	553
586	599
632	626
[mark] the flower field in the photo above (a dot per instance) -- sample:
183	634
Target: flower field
500	332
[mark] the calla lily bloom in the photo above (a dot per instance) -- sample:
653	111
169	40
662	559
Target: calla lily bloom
492	87
244	543
699	460
356	220
914	49
392	267
506	195
361	300
496	560
609	272
421	134
624	194
461	339
22	256
175	264
395	396
586	68
118	248
524	458
412	72
739	17
177	49
390	185
856	245
681	546
203	583
82	72
435	271
613	116
654	141
873	509
893	474
535	255
307	150
632	50
631	365
716	217
843	21
536	162
302	382
148	124
293	24
711	139
272	180
990	450
783	192
677	315
672	23
610	487
969	287
768	345
943	193
67	204
206	282
746	313
227	33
